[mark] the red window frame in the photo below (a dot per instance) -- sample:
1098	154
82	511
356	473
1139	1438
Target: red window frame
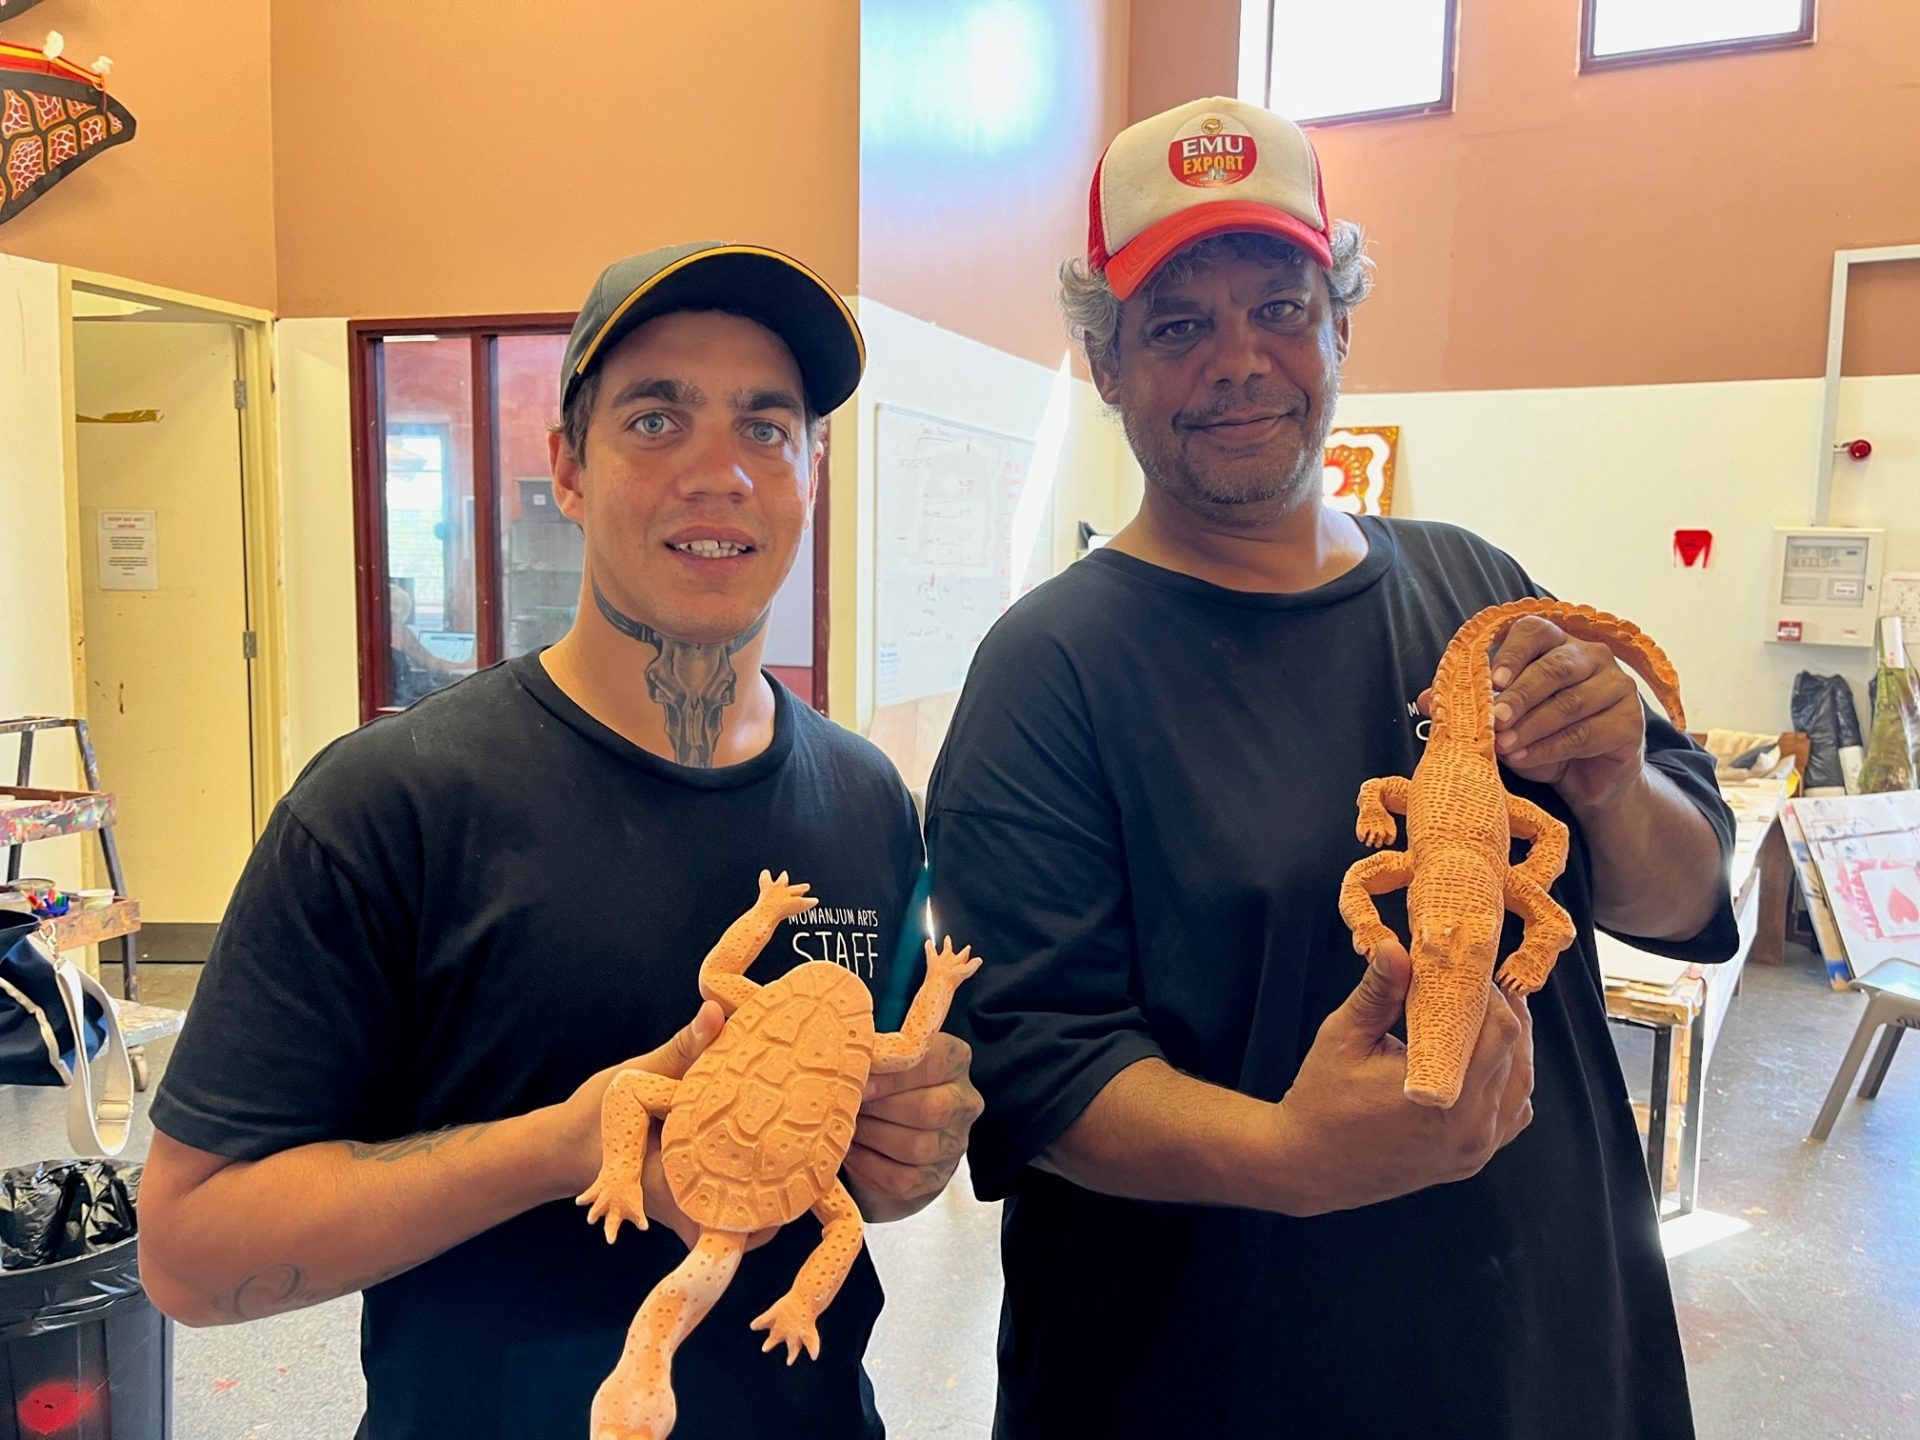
371	591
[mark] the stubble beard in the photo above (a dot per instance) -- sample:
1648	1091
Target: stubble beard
1235	503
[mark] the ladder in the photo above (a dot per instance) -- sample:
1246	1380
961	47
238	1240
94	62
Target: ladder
27	815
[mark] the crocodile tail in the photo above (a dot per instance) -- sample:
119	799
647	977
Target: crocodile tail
1635	648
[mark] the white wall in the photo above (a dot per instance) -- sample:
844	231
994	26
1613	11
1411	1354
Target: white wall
316	508
920	366
1586	487
38	588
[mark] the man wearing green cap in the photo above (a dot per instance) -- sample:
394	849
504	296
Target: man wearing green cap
465	918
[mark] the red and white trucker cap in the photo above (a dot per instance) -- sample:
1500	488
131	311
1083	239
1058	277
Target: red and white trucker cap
1202	169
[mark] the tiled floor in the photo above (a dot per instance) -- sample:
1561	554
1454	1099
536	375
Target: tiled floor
1800	1325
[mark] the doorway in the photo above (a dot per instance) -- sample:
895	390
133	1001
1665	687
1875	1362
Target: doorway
169	642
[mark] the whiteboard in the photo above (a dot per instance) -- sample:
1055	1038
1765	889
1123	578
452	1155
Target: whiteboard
958	538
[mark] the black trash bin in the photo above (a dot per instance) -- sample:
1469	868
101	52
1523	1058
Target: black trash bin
83	1353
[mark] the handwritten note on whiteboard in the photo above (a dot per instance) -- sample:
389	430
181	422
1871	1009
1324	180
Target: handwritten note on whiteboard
958	539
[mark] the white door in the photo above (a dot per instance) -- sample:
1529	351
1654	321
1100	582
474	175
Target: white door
165	613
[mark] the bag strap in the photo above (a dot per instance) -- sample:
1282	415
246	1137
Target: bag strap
96	1123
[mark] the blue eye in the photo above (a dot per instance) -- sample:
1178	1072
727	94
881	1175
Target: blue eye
765	432
654	422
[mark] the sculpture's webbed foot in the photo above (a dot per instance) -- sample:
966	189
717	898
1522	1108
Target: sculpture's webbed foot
790	1323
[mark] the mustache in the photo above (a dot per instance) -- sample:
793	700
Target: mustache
1255	398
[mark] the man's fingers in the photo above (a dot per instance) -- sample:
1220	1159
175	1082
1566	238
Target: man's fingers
882	1175
1377	1001
932	1108
1493	1049
1531	637
1560	668
676	1056
908	1144
947	1058
1618	730
1580	701
1516	1102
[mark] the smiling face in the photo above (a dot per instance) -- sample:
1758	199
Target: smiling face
1225	371
698	476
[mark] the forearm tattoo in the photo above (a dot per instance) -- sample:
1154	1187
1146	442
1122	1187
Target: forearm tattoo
386	1152
286	1286
280	1288
692	684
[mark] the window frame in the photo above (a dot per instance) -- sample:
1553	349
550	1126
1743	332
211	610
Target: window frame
373	617
1702	50
1450	43
366	357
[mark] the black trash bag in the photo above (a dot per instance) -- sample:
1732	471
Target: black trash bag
1823	712
58	1210
66	1251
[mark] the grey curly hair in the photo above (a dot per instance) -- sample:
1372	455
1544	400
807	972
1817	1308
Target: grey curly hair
1093	311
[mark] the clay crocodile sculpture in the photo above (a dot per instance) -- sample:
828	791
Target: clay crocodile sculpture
1461	823
752	1138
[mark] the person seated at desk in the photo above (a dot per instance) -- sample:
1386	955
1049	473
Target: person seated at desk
414	669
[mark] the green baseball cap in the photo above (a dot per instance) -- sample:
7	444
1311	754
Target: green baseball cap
774	289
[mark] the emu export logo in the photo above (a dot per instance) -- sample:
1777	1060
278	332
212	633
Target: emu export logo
1217	159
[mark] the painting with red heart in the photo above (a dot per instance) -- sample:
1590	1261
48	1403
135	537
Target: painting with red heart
1881	898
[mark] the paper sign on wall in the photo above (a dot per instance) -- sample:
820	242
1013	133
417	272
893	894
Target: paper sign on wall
129	550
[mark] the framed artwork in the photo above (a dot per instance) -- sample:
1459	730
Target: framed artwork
1359	468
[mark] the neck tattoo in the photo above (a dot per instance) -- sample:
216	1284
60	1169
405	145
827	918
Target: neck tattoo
692	684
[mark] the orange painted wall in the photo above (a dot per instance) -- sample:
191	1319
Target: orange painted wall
1180	50
981	121
1656	224
188	202
448	157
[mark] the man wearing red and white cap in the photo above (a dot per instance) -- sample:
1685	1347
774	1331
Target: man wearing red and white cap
1224	1218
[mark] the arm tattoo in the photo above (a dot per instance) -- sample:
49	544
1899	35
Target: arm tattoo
284	1287
387	1152
693	684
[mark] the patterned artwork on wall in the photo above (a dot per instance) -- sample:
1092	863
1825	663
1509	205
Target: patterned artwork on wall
1359	468
54	118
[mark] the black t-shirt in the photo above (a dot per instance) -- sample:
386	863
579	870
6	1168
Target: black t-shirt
1142	816
461	913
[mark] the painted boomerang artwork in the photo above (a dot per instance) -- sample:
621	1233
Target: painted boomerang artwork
54	117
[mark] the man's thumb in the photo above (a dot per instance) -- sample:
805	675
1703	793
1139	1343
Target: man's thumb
676	1057
1378	1000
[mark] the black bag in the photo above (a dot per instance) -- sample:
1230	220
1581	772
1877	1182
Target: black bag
1823	712
50	1012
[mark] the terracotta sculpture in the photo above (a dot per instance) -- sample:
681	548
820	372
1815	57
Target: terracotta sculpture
1461	823
753	1137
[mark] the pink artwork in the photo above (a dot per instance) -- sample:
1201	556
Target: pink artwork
1358	474
1879	899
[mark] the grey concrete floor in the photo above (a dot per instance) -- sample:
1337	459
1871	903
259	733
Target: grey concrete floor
1802	1324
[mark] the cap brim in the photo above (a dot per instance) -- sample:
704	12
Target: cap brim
1161	241
774	289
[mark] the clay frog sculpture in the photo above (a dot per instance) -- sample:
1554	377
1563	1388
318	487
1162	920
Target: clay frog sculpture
752	1138
1461	823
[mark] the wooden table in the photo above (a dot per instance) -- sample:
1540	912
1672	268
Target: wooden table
1669	998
